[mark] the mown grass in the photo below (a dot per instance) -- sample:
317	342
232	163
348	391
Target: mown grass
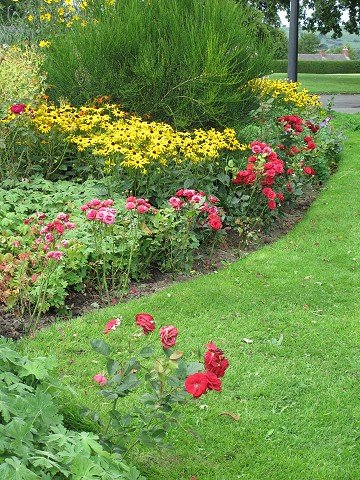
295	388
326	83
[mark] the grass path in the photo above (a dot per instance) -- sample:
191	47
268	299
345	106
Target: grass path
295	388
326	83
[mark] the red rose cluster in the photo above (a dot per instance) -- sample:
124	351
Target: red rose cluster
264	165
311	145
215	366
292	124
100	211
51	233
208	206
311	126
18	108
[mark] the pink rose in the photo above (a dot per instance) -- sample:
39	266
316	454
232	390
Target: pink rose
95	202
131	200
91	214
100	379
108	203
70	225
55	255
49	237
196	198
175	202
142	208
109	218
130	205
188	193
168	336
62	216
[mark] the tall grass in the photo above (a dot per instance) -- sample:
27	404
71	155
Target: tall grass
185	62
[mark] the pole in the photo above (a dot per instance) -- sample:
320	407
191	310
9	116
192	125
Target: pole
293	41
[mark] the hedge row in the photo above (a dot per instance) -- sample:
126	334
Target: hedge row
319	66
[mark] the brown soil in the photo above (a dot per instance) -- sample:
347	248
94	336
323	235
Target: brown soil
12	325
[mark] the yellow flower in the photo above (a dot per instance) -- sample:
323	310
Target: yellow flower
30	18
46	17
44	44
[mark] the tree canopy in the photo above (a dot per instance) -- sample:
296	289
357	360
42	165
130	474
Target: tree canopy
324	16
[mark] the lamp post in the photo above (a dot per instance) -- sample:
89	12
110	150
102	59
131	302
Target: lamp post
293	41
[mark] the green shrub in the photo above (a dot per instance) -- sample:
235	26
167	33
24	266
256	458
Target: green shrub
34	442
185	62
323	66
20	77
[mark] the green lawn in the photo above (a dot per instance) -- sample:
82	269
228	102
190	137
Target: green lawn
295	388
326	83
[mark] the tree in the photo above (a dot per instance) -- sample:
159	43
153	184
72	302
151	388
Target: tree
352	53
309	42
323	16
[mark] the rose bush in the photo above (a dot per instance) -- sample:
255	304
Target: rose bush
164	377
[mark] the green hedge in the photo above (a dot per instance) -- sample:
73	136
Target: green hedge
319	66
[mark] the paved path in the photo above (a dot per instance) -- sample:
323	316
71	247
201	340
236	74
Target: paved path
342	103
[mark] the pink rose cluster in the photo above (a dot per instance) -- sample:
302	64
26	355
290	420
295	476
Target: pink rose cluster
207	205
140	205
50	234
100	210
215	364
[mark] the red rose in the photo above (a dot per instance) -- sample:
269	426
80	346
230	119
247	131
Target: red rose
214	221
197	384
213	199
17	108
293	150
214	383
215	361
146	321
289	171
112	325
269	193
311	146
272	204
280	196
309	171
168	336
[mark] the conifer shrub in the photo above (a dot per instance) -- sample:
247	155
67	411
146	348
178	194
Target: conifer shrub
184	62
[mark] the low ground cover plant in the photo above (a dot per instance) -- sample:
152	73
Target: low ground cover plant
34	441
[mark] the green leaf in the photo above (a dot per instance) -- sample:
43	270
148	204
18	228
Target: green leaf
14	469
101	347
194	367
38	367
112	366
146	352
